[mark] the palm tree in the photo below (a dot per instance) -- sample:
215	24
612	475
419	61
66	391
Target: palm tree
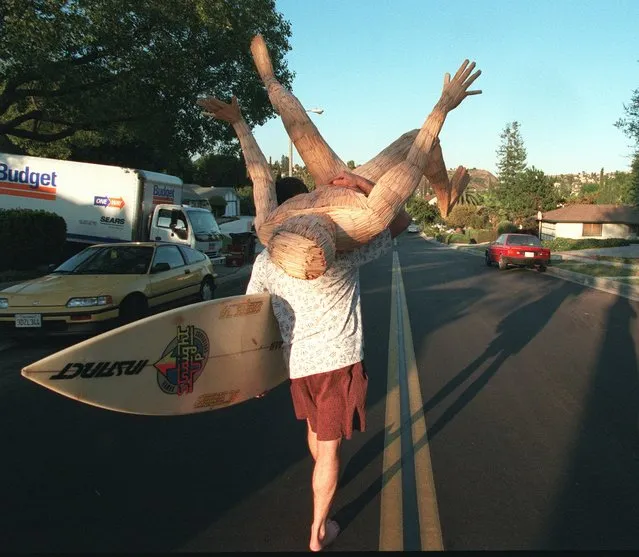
469	198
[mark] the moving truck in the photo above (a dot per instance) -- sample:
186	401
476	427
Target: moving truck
102	203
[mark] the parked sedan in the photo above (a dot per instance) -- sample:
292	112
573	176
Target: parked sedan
107	285
521	250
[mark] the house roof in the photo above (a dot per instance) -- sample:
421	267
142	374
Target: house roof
207	193
619	214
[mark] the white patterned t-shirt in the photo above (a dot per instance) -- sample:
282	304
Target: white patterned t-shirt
320	320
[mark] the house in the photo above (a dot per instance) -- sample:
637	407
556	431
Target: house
228	194
590	221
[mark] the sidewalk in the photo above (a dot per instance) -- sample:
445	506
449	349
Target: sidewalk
612	285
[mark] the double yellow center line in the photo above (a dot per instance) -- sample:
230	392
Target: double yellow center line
409	517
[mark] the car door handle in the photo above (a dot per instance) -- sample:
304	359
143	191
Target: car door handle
158	238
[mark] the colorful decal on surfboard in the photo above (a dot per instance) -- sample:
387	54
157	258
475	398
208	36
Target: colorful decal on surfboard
183	360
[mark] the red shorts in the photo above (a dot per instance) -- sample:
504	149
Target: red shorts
333	402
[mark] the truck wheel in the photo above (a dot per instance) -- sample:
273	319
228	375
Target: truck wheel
488	261
133	308
502	264
207	289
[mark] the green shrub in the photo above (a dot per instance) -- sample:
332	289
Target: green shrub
568	244
506	227
456	239
481	235
29	239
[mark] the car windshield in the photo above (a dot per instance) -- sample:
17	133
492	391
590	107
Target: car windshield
109	260
203	222
524	240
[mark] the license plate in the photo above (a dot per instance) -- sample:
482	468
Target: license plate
529	254
24	320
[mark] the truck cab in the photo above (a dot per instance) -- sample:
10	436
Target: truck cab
193	226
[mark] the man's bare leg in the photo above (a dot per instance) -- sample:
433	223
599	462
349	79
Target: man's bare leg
312	441
325	475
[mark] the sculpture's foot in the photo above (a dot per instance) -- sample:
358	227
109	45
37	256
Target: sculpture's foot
304	246
262	60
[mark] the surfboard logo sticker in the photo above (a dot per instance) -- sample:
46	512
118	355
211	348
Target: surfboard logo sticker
183	361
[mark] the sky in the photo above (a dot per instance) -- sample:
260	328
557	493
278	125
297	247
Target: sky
563	69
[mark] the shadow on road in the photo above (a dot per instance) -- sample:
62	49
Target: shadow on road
597	507
514	332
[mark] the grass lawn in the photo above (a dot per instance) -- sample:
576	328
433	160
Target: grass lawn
597	270
613	259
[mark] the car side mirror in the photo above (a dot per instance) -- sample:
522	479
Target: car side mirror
160	267
51	267
181	233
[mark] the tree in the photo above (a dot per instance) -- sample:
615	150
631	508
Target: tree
617	189
351	165
629	125
303	174
117	81
529	192
466	216
511	154
470	198
221	171
422	211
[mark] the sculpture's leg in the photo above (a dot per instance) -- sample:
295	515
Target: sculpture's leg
458	184
320	160
396	152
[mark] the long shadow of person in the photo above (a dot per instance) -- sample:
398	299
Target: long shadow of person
514	332
596	507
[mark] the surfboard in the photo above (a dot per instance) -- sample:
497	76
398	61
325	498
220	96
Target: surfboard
202	357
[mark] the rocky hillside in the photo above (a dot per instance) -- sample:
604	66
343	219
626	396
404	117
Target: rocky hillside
480	180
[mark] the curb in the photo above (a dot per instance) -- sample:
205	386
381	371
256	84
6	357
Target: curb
622	289
617	288
241	272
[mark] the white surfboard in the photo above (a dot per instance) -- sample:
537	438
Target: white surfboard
191	359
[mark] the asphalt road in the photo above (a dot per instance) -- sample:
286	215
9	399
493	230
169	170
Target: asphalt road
530	389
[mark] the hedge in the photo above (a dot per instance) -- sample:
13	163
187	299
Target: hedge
29	239
567	244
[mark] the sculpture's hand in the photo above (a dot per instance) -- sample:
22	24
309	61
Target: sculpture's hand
221	110
455	91
350	180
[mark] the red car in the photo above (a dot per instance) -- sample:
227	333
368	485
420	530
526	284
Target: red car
521	250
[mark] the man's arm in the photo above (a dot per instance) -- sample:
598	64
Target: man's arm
350	180
257	282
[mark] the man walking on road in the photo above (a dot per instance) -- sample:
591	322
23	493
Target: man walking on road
321	325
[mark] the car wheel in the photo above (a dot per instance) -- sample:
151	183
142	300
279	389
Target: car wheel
541	268
133	308
207	289
502	264
488	261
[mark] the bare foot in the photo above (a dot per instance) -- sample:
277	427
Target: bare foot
331	531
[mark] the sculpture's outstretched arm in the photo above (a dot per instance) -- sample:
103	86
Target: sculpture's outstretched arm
258	169
397	185
320	160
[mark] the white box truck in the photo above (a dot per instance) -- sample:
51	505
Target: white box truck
102	203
